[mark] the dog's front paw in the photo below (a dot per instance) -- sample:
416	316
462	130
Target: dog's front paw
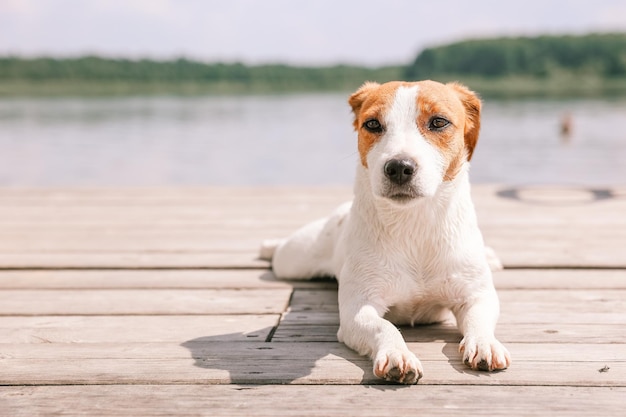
484	354
398	365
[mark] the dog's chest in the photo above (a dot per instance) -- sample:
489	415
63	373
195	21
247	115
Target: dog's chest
414	261
415	281
416	297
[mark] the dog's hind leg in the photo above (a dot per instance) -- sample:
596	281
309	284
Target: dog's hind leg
492	259
268	248
308	252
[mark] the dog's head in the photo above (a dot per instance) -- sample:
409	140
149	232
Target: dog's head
414	136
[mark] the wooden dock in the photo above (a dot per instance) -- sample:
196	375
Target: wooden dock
151	302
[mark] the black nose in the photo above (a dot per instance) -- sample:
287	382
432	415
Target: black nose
400	171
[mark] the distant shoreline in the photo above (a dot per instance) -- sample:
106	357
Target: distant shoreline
591	65
506	87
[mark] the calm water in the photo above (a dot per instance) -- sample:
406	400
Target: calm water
282	140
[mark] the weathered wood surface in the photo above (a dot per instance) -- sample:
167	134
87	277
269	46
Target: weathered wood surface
145	302
203	361
152	302
135	329
220	228
279	400
528	279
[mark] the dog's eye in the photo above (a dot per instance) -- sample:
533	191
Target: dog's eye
438	123
373	126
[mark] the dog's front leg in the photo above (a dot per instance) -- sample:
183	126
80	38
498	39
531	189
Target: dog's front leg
477	322
363	329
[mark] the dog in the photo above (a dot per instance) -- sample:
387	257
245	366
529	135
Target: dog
407	250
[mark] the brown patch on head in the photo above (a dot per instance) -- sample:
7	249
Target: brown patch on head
370	102
357	99
458	105
471	103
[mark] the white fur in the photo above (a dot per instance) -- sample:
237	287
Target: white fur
402	263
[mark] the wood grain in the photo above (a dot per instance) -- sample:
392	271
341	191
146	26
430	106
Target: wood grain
320	400
144	302
217	363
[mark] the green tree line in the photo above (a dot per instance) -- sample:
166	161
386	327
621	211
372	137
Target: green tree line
592	64
601	55
277	77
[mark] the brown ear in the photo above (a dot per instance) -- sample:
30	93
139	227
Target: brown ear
356	100
472	105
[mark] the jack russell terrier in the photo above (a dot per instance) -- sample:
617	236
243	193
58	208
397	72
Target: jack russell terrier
407	250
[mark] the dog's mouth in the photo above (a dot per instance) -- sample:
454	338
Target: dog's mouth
403	196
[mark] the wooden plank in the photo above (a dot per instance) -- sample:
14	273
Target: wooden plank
133	329
125	242
261	278
546	279
565	256
328	369
176	221
278	400
256	228
217	350
528	196
279	224
169	195
126	329
516	305
552	252
507	333
153	279
130	260
138	301
162	218
555	246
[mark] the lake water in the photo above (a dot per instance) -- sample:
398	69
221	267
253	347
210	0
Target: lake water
302	139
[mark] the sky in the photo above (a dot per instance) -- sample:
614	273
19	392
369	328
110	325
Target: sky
297	32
